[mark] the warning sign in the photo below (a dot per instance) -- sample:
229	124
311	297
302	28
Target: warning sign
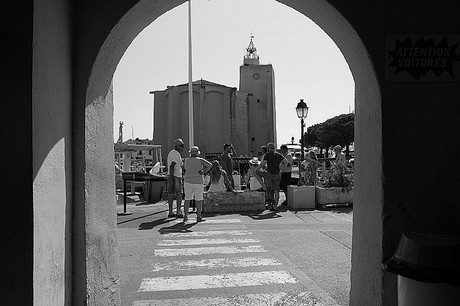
423	58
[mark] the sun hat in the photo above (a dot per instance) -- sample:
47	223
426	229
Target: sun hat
254	161
194	150
178	142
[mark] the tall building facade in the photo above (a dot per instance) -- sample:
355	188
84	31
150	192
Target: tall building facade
257	82
215	114
221	114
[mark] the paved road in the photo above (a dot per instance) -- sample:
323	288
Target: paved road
283	258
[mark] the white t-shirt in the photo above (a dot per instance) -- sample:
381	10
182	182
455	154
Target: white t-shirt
174	156
290	161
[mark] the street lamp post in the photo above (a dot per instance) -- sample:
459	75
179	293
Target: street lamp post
302	112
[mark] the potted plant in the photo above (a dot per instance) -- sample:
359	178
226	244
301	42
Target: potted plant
337	188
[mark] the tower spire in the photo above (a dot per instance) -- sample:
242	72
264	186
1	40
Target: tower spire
251	57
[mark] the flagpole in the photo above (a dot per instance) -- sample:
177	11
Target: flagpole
190	86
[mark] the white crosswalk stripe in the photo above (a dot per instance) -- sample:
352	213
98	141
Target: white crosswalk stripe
216	263
207	234
206	241
210	250
191	282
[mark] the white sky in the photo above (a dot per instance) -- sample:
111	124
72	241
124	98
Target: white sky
307	63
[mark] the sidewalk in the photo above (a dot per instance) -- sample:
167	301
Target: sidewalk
264	258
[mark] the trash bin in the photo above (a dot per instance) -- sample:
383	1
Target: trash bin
154	189
428	269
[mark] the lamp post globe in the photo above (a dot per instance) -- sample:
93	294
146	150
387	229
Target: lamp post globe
302	112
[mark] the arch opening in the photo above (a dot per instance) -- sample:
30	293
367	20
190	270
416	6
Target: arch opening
367	225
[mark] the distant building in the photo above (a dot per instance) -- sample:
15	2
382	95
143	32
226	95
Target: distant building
222	114
137	155
215	113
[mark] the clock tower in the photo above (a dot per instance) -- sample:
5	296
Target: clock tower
257	83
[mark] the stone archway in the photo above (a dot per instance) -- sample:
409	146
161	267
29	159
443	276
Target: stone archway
99	225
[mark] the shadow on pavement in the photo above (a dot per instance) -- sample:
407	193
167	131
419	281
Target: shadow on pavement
137	218
150	225
270	215
178	228
340	209
260	215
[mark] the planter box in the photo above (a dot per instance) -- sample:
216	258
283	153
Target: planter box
333	195
234	202
301	197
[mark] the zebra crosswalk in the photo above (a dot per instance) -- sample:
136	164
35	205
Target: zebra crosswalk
210	267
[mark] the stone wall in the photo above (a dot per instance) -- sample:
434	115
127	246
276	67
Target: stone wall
234	202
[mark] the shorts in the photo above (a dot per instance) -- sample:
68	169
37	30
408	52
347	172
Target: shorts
272	181
175	185
193	191
285	180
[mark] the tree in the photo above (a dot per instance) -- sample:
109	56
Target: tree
310	136
338	130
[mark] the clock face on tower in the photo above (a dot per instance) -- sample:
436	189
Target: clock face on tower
256	76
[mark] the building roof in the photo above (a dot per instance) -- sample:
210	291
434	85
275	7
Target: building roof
203	82
200	82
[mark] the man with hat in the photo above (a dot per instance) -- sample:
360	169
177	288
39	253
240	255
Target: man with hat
274	162
174	161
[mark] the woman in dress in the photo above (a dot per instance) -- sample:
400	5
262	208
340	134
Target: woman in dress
218	179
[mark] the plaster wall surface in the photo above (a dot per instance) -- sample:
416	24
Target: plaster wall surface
51	138
95	279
